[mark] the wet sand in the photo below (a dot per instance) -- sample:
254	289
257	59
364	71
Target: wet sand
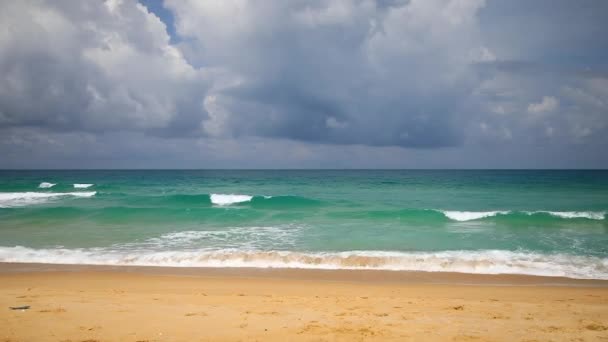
99	303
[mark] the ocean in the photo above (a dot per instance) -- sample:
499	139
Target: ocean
540	222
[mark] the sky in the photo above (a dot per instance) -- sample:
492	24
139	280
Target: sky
304	84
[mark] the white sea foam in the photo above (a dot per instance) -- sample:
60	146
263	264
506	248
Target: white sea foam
482	262
16	199
256	237
82	186
592	215
471	215
221	199
46	185
476	215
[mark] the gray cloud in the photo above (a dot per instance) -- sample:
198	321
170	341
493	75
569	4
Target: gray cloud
343	72
361	83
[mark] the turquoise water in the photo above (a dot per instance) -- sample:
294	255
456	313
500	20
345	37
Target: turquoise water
526	222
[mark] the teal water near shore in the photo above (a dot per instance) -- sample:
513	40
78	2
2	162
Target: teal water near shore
523	222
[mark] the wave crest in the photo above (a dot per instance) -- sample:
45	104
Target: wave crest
16	199
222	199
46	185
477	215
471	215
82	186
592	215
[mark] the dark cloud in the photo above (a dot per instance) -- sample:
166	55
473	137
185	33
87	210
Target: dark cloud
243	83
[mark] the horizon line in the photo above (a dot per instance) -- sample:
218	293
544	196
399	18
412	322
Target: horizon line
304	169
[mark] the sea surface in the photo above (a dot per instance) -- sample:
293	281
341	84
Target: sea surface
520	222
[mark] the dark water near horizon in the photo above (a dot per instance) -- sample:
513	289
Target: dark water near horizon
544	222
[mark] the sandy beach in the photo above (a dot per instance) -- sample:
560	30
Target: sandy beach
92	303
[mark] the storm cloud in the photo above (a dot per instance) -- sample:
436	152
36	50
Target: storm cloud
361	83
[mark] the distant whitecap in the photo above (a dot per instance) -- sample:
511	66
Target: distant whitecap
46	185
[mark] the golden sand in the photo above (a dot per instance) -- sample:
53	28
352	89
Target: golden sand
139	304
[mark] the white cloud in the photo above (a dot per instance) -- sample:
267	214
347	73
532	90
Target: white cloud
93	66
548	104
482	55
215	125
332	122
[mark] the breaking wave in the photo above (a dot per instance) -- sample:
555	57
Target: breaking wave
592	215
293	202
46	185
481	262
471	215
82	186
226	200
17	199
221	199
477	215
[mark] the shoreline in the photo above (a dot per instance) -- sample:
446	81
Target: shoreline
338	275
